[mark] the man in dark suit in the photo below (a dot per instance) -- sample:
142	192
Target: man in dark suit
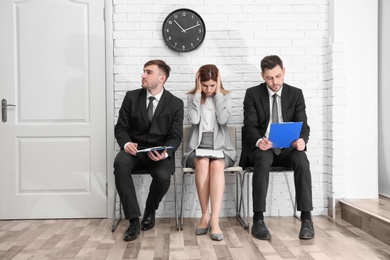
149	117
261	108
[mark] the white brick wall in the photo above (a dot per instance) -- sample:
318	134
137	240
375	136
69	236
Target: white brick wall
239	34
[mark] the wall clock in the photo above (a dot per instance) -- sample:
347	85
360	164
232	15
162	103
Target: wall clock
183	30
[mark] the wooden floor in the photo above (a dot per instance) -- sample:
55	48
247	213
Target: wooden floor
93	239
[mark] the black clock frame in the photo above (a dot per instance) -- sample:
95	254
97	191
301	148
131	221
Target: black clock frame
179	39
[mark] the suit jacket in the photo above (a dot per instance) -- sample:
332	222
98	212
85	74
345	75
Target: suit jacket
166	127
221	133
257	115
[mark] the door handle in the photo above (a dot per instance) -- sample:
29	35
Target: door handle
4	106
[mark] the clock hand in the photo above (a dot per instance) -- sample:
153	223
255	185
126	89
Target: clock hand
191	27
180	26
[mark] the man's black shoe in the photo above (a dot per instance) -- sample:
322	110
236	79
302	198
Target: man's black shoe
260	230
307	229
132	231
148	220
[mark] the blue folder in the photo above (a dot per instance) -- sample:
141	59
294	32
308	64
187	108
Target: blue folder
282	135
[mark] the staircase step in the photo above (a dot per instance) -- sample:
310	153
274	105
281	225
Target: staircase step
370	215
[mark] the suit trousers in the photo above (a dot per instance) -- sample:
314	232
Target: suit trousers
263	160
160	171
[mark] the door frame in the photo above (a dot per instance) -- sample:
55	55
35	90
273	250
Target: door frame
110	110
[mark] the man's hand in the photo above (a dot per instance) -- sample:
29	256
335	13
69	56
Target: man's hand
265	144
299	144
156	156
131	148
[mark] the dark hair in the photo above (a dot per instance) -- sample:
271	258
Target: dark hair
161	65
270	62
208	72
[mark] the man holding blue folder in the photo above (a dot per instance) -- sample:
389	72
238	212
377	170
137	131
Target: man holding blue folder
275	102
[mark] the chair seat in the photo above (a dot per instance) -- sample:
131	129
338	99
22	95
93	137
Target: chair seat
188	170
229	169
273	169
233	169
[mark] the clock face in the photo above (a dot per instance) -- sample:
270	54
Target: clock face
183	30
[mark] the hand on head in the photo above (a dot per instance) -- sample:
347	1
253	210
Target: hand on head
218	88
198	84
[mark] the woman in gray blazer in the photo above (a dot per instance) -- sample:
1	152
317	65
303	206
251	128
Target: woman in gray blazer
209	110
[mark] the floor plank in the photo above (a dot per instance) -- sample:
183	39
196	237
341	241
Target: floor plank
93	239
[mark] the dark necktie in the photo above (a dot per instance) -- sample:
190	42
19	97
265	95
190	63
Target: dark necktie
275	118
150	109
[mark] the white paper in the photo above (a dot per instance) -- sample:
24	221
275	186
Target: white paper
209	153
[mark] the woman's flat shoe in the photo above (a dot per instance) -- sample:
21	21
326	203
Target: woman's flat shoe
201	231
216	237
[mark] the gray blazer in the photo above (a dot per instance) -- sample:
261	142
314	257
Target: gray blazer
221	134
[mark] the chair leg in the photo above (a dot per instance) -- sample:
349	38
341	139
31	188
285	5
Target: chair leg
175	198
115	219
293	200
182	200
240	181
237	202
247	199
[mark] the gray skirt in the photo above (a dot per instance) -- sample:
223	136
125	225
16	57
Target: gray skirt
207	143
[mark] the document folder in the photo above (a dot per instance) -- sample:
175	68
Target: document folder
156	148
282	135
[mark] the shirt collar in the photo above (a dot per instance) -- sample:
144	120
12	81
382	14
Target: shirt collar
279	93
157	97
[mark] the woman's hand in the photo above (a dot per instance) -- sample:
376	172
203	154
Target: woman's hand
197	83
218	88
